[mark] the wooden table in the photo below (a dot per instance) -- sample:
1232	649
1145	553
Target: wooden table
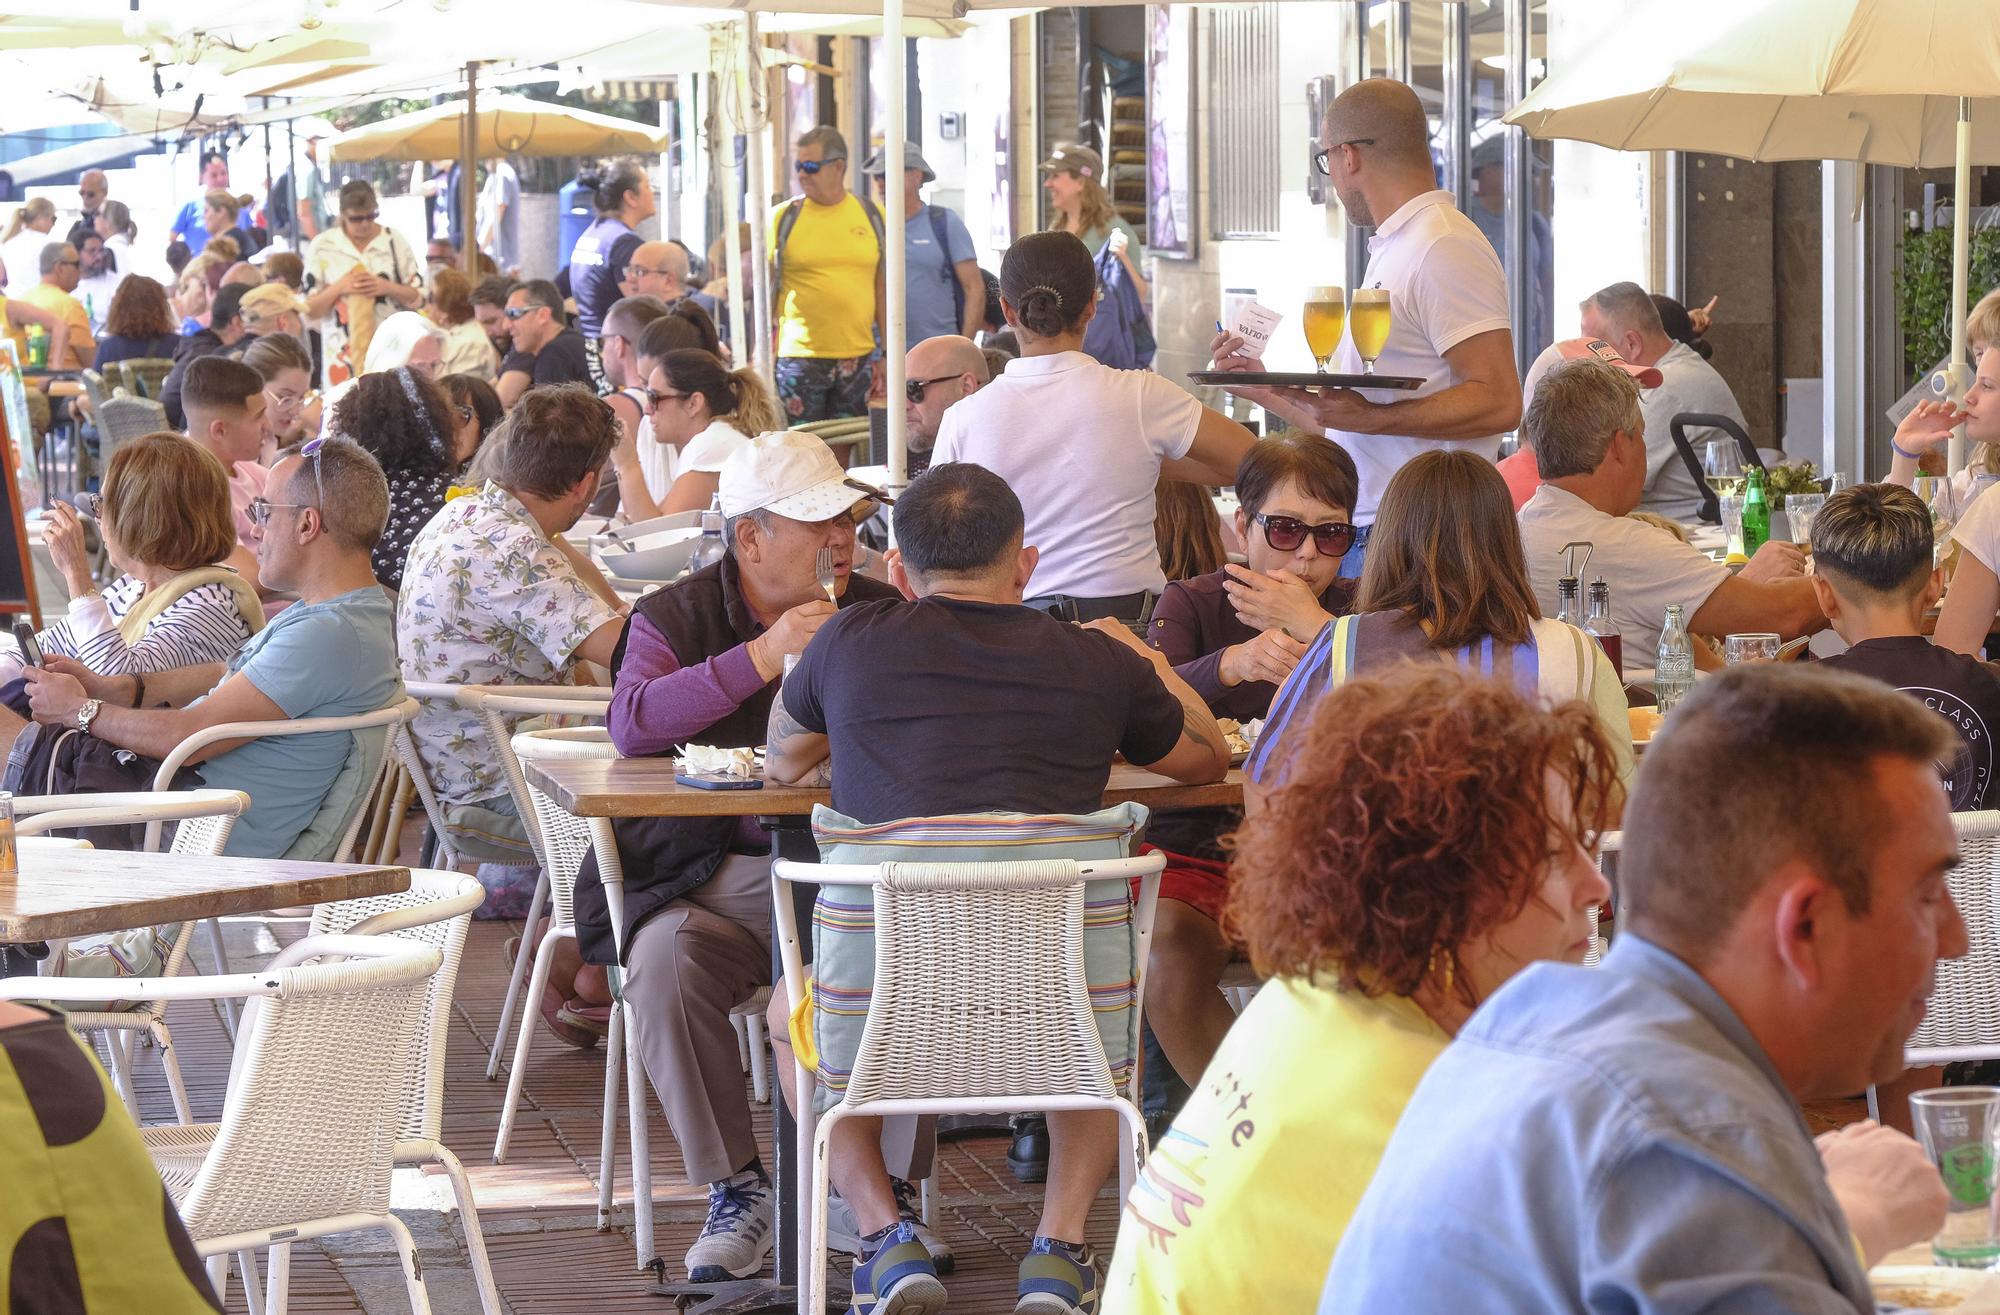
645	787
76	892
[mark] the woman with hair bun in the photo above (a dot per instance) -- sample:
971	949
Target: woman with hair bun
624	200
1083	445
702	411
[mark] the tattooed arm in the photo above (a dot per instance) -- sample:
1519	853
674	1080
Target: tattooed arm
794	755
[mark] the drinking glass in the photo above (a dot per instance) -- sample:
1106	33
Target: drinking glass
1936	492
1368	322
1750	647
1326	315
1800	508
1836	482
1956	1126
1722	466
9	861
1731	507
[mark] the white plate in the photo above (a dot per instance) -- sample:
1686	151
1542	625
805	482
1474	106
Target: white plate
1936	1287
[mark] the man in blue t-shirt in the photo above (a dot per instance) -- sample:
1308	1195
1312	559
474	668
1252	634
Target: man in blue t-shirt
942	290
331	654
187	224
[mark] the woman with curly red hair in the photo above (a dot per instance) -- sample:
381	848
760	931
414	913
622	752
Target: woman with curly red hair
1432	837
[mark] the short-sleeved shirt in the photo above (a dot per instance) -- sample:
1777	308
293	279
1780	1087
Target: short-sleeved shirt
71	312
1956	686
1445	286
503	188
1687	383
1081	446
1646	567
990	706
930	301
414	498
330	256
189	229
562	360
1271	1154
487	600
1978	532
826	301
335	658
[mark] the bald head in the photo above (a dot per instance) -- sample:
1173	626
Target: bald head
948	368
1377	139
657	269
946	354
245	273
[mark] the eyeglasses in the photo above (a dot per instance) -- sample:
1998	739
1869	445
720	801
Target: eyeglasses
634	271
811	167
1286	533
654	397
312	449
261	509
1320	163
914	388
368	218
516	312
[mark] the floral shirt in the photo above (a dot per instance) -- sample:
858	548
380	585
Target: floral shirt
486	600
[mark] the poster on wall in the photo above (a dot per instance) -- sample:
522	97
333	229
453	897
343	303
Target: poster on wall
1169	131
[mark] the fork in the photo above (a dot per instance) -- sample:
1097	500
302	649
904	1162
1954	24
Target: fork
823	568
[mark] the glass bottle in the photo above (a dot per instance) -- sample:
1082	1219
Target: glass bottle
1673	669
1597	623
1756	513
1568	608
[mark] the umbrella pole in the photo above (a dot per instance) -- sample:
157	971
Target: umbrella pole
732	210
1958	376
760	204
468	174
896	55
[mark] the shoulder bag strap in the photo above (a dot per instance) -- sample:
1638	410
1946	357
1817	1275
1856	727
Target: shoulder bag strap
786	223
936	215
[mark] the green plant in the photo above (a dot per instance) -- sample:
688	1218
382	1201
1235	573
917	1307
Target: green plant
1923	291
1790	477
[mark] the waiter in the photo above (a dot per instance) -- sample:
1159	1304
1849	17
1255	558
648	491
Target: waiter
1447	300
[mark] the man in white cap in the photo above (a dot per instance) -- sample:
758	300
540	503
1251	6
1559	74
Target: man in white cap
699	664
942	290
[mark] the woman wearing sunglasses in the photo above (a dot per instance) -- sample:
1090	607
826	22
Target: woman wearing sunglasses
702	411
1445	580
1234	635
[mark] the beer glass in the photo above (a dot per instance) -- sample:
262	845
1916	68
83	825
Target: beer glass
1730	507
1326	315
1368	322
1956	1126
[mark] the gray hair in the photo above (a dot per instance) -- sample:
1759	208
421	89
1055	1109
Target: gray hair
355	502
757	516
1874	536
832	145
54	254
1576	409
1627	308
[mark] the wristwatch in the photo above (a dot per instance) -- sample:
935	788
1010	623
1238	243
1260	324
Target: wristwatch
87	714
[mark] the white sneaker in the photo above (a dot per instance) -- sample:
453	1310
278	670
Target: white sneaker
843	1233
737	1238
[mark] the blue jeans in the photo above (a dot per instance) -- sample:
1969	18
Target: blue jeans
1350	565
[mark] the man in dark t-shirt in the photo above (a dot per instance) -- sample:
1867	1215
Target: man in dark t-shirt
1873	573
546	350
963	700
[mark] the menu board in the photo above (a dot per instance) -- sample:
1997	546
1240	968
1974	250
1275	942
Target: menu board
17	576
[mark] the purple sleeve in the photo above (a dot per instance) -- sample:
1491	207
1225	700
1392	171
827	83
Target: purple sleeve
1176	632
657	703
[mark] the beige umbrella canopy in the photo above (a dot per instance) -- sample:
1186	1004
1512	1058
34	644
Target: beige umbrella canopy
1914	83
503	125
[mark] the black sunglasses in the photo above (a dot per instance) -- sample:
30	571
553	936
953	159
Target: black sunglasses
1320	154
516	312
367	218
654	397
811	167
1286	533
914	388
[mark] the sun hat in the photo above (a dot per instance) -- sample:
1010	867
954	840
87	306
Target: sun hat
912	159
789	473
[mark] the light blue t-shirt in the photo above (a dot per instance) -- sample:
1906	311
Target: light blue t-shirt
929	308
330	659
503	188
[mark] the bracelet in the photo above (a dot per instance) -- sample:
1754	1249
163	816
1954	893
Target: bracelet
139	694
1897	448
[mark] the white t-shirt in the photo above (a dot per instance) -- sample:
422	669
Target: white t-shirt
1978	531
22	254
1081	446
1445	286
1688	383
664	463
1646	567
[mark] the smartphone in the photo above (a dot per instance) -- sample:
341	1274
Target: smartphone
706	781
31	652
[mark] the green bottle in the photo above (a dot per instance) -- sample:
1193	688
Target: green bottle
1756	513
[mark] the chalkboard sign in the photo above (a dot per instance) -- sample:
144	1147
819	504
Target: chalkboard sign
17	573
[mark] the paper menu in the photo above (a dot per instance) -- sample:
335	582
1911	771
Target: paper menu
1254	323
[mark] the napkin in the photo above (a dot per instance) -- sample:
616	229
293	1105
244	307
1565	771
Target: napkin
707	760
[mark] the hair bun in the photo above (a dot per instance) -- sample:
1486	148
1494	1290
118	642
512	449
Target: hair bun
591	178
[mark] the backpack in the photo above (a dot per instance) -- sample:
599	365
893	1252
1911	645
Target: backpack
1119	335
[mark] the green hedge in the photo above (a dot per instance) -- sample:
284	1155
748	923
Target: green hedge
1923	291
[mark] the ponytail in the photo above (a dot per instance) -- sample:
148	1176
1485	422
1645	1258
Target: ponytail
755	409
39	208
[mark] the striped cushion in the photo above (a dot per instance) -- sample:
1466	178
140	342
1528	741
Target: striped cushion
844	917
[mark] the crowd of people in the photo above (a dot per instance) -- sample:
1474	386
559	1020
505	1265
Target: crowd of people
1432	1104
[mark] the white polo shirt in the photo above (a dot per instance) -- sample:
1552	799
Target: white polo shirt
1646	567
1445	286
1081	446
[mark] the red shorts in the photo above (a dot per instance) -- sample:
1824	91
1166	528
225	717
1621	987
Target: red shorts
1200	883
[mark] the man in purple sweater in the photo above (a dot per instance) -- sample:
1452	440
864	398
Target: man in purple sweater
699	664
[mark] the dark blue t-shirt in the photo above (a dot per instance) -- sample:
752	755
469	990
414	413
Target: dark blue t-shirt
595	265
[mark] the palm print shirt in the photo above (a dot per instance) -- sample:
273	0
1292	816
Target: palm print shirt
487	599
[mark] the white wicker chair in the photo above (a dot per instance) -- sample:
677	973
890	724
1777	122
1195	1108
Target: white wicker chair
499	709
436	911
410	764
979	1004
1963	1021
563	840
306	1145
206	818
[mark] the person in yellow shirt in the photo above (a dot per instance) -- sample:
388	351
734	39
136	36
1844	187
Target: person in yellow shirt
827	298
1431	838
61	269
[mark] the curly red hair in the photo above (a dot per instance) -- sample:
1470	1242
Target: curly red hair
1413	818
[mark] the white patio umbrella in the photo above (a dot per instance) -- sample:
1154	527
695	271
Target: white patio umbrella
1914	83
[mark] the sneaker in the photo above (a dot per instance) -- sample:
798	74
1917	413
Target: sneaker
898	1279
907	1200
1057	1279
736	1239
843	1231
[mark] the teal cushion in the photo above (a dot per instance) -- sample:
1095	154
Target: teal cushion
844	917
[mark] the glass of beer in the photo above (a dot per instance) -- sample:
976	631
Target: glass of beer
1326	315
1368	321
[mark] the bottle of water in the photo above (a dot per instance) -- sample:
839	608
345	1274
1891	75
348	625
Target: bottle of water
711	548
1673	671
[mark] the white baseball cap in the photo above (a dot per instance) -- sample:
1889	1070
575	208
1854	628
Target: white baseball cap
790	473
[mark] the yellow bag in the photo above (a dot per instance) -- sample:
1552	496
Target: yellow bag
801	1028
